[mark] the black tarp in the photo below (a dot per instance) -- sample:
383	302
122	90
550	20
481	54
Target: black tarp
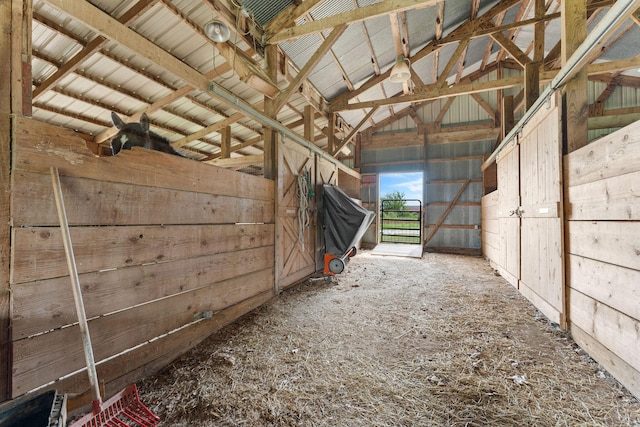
344	221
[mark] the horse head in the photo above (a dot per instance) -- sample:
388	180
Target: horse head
138	135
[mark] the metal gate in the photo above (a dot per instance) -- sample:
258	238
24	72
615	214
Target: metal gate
401	221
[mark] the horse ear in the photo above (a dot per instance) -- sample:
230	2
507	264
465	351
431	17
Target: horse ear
117	121
144	122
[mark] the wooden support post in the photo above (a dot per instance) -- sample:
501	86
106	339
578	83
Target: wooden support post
507	115
225	142
575	105
270	137
538	46
15	99
531	83
309	116
425	181
331	133
270	153
357	155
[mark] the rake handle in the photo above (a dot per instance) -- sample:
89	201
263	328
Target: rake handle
77	291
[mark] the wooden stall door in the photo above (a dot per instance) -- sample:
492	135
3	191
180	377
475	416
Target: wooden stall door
542	266
508	262
295	253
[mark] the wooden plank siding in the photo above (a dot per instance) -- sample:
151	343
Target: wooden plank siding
602	220
159	241
490	226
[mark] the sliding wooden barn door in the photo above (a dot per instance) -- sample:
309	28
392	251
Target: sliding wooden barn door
542	266
530	213
508	220
295	244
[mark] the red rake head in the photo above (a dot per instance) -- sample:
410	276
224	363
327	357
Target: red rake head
123	410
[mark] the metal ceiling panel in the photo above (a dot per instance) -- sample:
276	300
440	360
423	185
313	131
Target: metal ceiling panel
264	11
424	69
379	30
355	62
475	53
327	78
302	49
421	26
331	7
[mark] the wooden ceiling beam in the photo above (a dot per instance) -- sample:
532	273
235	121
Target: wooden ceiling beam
238	162
443	111
237	147
509	46
288	17
524	8
457	35
349	17
434	92
475	5
343	72
283	96
455	59
353	132
407	111
636	17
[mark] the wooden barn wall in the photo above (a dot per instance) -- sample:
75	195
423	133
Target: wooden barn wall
159	241
600	243
490	226
369	197
448	168
453	170
602	213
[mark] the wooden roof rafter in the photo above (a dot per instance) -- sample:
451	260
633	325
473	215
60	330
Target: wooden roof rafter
288	17
511	48
285	94
349	17
489	24
465	31
475	6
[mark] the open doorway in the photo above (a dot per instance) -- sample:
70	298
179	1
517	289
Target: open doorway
400	208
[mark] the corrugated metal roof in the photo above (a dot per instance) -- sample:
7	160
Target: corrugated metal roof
115	78
265	11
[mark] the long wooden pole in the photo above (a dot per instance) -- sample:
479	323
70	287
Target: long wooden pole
77	291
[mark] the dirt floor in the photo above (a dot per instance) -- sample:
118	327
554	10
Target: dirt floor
438	341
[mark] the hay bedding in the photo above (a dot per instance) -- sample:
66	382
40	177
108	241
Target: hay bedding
440	341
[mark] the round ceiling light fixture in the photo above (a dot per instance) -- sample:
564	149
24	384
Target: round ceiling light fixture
217	31
400	72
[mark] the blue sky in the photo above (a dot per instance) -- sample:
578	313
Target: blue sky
408	183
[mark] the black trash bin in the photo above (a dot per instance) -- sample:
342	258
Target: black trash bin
44	410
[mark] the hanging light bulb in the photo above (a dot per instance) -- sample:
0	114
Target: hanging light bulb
400	72
217	31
